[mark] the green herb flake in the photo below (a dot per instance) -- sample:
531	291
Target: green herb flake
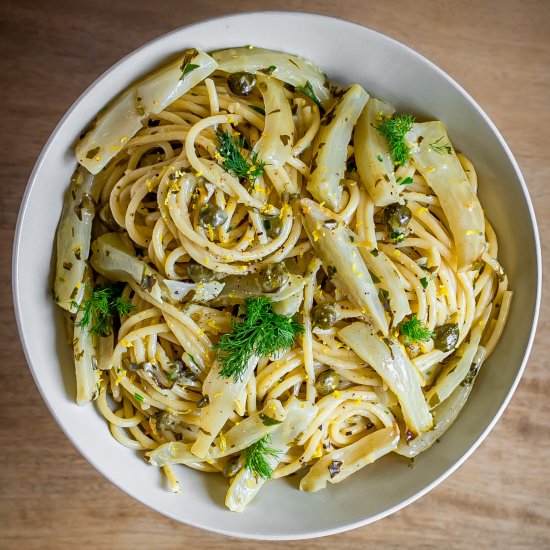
406	181
172	374
413	330
267	225
394	130
442	148
374	278
307	90
268	70
100	308
189	67
397	236
139	397
331	271
255	457
268	421
424	282
375	252
379	158
262	332
257	109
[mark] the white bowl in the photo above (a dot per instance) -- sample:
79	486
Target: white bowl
347	53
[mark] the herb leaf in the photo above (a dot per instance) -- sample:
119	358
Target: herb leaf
187	69
99	309
406	181
307	90
268	70
394	130
414	331
257	109
441	149
261	332
255	457
233	160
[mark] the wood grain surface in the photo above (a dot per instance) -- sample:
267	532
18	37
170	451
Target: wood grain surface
50	51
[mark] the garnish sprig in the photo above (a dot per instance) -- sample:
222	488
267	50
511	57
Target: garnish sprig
394	130
414	331
255	457
230	153
261	332
100	308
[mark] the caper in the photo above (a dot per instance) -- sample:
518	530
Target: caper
324	315
241	83
211	215
198	273
274	227
231	467
273	277
178	370
396	216
327	382
167	420
446	337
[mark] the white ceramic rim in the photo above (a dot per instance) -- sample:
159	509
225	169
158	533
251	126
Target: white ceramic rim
320	533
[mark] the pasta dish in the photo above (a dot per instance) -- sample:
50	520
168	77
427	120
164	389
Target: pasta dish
263	273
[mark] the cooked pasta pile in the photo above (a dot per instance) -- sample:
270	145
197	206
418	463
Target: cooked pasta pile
264	272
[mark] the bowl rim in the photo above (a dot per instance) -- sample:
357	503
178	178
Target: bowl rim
32	182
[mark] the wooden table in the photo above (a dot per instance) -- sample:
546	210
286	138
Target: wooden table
50	497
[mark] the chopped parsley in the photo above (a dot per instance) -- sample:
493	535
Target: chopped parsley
394	130
186	65
189	67
268	421
406	181
374	278
424	282
262	332
257	109
307	90
397	236
268	70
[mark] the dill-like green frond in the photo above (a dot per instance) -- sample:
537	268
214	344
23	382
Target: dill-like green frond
261	332
100	307
394	130
255	457
230	149
414	331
